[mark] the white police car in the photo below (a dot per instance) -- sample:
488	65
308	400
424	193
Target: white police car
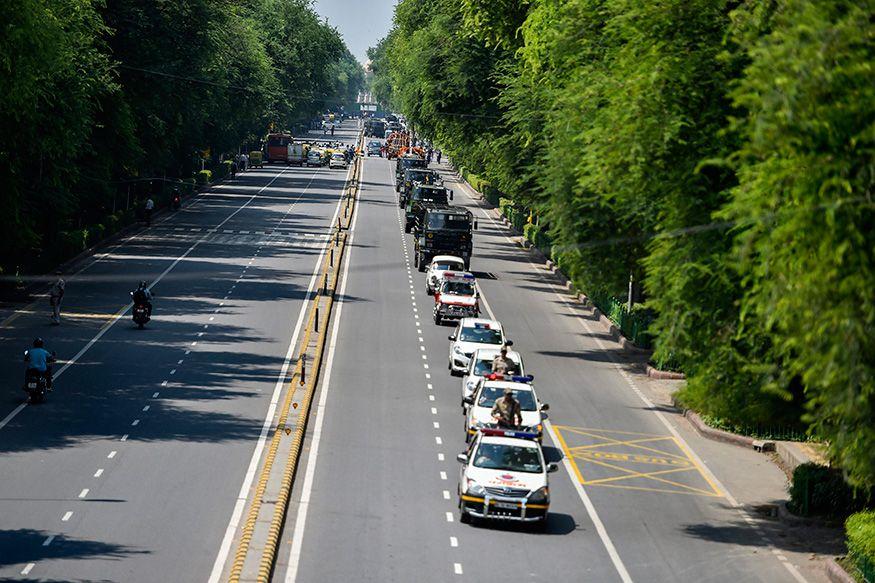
439	265
479	405
480	365
471	334
504	477
456	297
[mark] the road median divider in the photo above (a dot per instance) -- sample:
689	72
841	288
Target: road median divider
259	535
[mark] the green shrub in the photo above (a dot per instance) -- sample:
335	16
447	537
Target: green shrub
817	490
204	177
96	233
860	529
504	204
531	232
71	243
187	186
492	195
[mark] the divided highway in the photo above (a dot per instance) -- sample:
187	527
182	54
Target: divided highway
131	470
134	468
376	497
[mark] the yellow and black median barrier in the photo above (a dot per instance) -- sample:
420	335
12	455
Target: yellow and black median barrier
259	536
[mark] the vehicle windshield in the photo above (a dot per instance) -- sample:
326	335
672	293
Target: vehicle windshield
448	222
480	335
430	195
460	288
420	176
449	266
483	367
494	456
374	144
337	156
489	394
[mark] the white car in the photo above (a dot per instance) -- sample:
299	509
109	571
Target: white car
479	413
439	265
456	297
504	477
471	334
480	365
337	160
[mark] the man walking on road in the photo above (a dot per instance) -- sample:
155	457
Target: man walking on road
506	411
149	207
439	154
55	296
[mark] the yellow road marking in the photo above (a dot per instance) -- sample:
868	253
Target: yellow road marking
595	455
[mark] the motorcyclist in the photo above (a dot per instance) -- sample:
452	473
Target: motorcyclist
175	198
142	296
40	360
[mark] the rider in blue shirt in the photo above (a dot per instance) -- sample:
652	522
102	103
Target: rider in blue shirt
39	359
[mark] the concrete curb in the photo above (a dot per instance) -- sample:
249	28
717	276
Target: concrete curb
717	434
664	374
836	573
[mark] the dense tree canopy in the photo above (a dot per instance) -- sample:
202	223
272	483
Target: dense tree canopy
97	96
720	152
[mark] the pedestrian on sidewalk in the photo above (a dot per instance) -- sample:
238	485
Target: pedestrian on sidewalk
439	154
56	294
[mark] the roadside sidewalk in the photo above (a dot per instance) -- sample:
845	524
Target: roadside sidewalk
754	482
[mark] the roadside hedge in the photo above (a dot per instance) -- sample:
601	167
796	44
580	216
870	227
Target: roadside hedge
204	177
817	490
860	530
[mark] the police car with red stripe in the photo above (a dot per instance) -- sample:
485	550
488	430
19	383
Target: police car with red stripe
504	477
456	297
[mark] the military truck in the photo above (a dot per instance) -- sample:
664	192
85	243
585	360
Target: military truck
444	230
407	161
421	196
412	175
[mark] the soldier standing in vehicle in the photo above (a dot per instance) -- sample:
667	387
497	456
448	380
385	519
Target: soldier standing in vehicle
507	411
501	364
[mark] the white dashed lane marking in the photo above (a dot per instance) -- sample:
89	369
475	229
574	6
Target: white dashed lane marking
67	516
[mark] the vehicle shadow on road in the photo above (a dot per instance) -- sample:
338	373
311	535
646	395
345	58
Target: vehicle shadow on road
557	524
25	545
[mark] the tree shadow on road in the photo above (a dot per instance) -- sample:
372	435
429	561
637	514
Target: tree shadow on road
25	545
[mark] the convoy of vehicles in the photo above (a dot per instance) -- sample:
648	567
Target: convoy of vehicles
504	471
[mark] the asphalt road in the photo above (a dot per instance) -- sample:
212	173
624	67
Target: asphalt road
375	498
131	470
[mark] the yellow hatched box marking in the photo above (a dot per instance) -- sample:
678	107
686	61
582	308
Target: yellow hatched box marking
633	461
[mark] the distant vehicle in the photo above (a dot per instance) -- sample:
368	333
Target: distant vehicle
412	175
337	160
375	148
479	405
314	157
504	477
296	154
375	128
481	365
438	267
471	334
278	147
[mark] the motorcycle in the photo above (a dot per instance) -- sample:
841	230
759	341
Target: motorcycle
140	313
36	383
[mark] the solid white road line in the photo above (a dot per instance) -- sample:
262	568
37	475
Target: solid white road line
310	472
121	313
240	504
